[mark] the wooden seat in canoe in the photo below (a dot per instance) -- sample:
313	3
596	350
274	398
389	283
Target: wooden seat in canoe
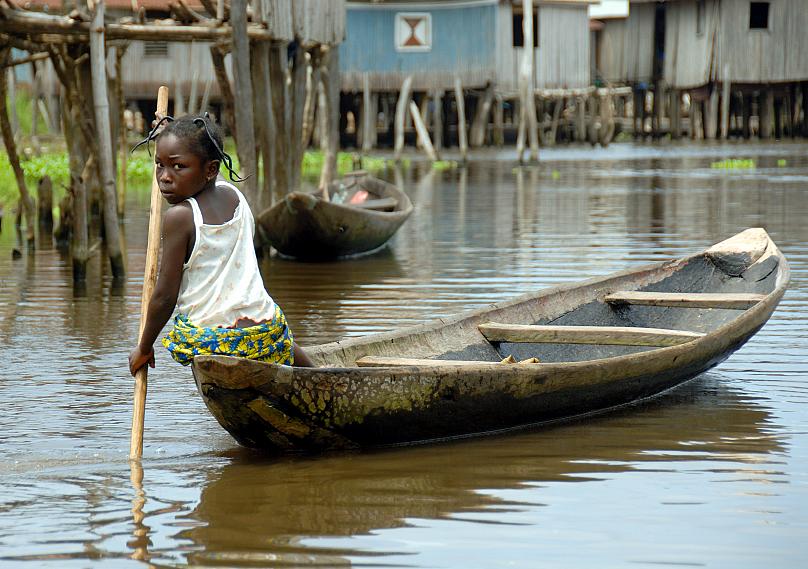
600	335
381	204
688	300
384	361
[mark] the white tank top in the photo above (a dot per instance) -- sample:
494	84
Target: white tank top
221	281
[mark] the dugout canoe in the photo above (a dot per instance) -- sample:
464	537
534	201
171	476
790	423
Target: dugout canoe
305	226
579	349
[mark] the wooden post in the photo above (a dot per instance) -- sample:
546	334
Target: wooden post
149	280
13	158
580	118
558	105
594	126
437	119
725	101
526	82
401	111
461	120
746	115
765	113
11	86
422	132
122	146
264	128
245	139
480	123
499	120
297	97
368	116
711	110
607	118
101	107
45	202
778	117
312	89
77	197
282	154
659	108
676	113
329	78
696	119
228	101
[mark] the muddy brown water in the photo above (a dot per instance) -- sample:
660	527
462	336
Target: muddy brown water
713	474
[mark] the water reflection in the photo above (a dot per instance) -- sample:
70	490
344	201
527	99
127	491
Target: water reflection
255	512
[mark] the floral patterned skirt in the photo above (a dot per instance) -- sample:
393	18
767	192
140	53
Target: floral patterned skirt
269	342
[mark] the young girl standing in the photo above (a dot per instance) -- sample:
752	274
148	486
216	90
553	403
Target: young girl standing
208	270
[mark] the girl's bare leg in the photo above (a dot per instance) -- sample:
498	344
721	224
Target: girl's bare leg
301	357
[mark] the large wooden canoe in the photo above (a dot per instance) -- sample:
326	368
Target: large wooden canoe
600	344
305	226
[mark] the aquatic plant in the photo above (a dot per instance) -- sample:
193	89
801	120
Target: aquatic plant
734	164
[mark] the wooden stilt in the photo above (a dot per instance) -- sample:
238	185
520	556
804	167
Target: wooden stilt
638	110
606	118
766	113
329	79
101	104
499	123
312	88
422	132
245	121
461	119
11	150
368	117
45	203
660	96
402	105
593	126
437	119
558	105
711	112
778	117
696	125
282	139
676	113
746	115
725	101
223	81
580	118
480	123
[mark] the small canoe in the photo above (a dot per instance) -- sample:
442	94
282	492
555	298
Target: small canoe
546	356
361	215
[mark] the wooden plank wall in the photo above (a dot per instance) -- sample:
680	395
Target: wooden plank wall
319	21
687	52
774	55
626	46
562	58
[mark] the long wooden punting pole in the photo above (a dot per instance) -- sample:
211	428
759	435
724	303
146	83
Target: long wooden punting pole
149	279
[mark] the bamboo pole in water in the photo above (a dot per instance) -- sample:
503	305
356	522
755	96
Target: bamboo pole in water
149	280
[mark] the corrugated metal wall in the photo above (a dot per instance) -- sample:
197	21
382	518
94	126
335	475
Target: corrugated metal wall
626	46
562	58
463	44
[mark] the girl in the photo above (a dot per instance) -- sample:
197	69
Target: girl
208	270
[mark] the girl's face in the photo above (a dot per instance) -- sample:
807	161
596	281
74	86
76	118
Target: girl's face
181	174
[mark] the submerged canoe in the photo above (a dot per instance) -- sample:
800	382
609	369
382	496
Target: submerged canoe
578	348
361	215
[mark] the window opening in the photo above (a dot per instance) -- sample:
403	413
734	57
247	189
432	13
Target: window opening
759	15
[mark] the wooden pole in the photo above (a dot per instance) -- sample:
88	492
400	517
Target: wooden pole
499	121
11	149
103	132
368	117
423	133
401	111
149	280
480	123
725	101
526	82
245	140
461	120
124	151
766	113
675	105
329	79
312	83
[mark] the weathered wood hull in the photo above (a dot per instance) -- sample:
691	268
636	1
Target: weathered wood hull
344	406
307	227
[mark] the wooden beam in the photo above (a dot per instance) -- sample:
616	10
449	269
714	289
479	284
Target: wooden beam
738	301
600	335
384	361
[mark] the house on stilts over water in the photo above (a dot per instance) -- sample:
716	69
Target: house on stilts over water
461	58
711	68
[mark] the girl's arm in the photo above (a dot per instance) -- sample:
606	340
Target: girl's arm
178	232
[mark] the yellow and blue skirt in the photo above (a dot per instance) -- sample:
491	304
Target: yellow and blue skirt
268	342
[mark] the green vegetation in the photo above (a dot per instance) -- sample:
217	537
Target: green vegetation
442	165
782	163
734	164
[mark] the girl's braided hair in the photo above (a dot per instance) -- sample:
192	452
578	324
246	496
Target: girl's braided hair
200	133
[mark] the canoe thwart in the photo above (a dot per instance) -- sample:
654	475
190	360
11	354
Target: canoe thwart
738	301
600	335
381	204
383	361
